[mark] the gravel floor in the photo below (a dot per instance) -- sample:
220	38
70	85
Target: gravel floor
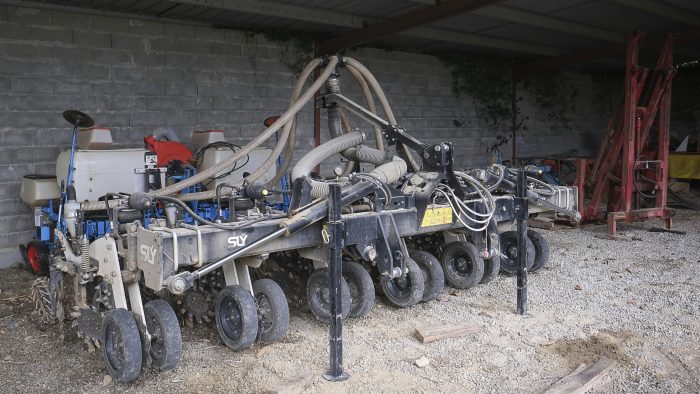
637	302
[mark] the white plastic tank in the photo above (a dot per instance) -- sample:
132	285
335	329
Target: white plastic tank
98	172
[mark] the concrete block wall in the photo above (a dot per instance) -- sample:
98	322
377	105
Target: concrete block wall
587	119
136	75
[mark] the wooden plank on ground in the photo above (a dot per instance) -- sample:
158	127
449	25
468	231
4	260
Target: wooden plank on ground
432	334
295	385
543	224
583	378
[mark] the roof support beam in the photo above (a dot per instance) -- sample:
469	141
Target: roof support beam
403	22
663	10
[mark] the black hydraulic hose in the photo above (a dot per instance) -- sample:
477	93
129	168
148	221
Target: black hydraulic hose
217	225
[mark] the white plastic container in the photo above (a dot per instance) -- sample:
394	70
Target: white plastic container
94	138
205	137
36	190
98	172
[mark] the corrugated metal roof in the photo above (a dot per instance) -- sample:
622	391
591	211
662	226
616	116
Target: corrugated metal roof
618	18
536	24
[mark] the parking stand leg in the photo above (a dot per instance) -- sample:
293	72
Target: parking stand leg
336	230
521	215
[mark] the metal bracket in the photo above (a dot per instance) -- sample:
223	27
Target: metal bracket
236	273
104	250
391	249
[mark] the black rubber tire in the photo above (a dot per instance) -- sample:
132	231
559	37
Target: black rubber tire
121	345
492	267
509	252
38	258
541	250
318	296
361	288
406	290
462	264
433	274
273	310
236	317
166	337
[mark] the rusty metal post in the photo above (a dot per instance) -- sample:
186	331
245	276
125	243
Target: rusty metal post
629	122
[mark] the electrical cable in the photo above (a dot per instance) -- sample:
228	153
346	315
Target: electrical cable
199	156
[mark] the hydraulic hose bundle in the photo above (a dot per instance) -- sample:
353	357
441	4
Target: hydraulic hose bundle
470	218
257	141
288	123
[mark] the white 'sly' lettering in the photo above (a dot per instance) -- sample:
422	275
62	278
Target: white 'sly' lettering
149	254
237	240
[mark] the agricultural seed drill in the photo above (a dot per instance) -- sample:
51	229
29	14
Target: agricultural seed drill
156	227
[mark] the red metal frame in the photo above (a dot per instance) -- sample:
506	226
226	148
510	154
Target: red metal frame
625	156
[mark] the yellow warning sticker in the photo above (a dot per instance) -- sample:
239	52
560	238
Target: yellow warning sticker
435	216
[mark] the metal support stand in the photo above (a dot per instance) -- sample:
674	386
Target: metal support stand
521	216
336	231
